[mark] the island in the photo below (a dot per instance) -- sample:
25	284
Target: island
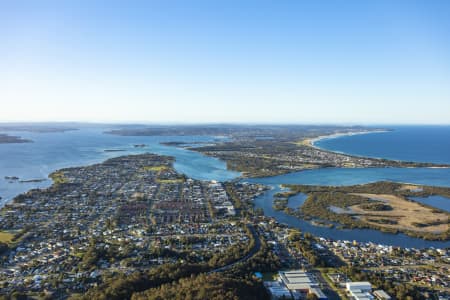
385	206
11	139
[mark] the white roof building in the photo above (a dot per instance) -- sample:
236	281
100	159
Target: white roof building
277	290
364	286
359	290
296	280
301	281
382	295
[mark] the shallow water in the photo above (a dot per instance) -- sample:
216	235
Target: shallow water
52	151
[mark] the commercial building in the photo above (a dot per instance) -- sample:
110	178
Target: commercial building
300	282
277	290
359	290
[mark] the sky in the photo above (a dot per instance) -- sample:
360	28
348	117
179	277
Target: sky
336	61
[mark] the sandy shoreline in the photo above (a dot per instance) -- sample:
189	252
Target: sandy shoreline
311	142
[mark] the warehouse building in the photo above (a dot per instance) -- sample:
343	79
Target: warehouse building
359	290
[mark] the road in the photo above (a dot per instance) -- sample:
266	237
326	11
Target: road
250	254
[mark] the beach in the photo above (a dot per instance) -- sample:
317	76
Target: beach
311	142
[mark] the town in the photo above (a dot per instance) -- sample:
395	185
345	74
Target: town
125	214
135	214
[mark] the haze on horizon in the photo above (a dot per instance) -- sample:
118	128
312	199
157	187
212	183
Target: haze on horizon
225	61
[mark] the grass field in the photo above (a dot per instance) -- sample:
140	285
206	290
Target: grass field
409	215
170	181
6	237
305	142
58	178
155	168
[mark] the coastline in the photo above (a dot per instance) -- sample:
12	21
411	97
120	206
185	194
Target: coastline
97	154
312	141
352	133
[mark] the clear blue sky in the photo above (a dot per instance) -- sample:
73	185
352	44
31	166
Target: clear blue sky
336	61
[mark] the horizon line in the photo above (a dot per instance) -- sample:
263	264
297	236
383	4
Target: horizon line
183	123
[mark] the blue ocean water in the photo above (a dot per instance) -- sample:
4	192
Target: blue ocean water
52	151
407	143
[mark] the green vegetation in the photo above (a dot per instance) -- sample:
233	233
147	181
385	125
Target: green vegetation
305	245
181	280
354	200
398	290
280	204
170	181
187	280
234	198
58	177
377	206
243	204
383	221
212	286
155	168
122	287
3	248
21	233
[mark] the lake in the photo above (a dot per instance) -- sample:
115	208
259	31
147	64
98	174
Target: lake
52	151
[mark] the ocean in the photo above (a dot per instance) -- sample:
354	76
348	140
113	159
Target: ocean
52	151
407	143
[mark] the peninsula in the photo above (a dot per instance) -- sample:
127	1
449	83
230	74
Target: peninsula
133	228
128	215
260	151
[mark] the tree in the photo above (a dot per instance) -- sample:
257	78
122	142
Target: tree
294	235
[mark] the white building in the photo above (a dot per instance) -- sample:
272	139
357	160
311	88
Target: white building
297	280
359	290
301	282
277	290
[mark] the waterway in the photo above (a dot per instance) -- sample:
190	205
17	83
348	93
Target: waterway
52	151
407	143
